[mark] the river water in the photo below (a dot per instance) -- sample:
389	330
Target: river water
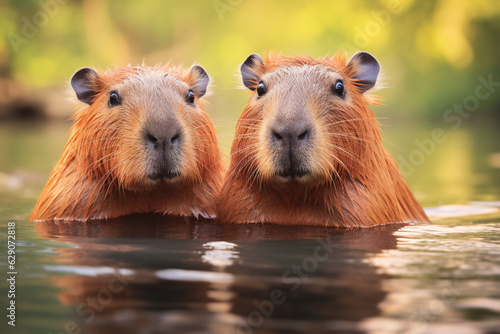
154	274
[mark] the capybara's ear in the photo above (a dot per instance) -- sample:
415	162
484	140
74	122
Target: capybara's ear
82	84
367	70
201	80
249	70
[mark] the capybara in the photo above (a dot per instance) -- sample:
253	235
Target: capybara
142	142
308	150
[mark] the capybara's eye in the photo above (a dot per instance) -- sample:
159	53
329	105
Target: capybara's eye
338	88
190	96
114	99
261	89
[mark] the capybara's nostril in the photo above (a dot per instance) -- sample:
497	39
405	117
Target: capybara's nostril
175	140
277	138
304	136
293	136
151	141
165	141
152	138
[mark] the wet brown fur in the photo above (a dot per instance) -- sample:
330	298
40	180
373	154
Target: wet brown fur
100	173
355	181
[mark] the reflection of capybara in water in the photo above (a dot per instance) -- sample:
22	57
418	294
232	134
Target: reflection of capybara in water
114	283
143	143
308	150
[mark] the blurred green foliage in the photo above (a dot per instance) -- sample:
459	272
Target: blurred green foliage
432	52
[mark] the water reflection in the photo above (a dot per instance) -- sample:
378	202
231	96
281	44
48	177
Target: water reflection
442	278
220	253
173	275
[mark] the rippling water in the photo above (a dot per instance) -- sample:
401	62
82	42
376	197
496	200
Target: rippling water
154	274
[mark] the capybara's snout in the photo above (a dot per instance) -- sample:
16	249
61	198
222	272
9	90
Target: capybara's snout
290	139
163	143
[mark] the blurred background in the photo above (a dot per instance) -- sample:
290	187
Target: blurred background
432	51
441	123
439	59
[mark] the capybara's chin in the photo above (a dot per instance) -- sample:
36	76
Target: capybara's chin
140	143
156	168
308	150
307	173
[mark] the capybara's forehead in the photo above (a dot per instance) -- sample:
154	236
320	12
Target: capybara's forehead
301	73
136	75
152	80
275	61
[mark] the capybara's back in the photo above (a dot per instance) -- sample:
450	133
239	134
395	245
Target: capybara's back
308	150
141	143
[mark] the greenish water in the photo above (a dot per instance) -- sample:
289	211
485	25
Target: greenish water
153	274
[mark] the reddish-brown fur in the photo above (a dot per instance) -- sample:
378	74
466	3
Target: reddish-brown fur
355	181
100	173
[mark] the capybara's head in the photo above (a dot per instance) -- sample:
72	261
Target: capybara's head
143	125
140	143
308	150
307	119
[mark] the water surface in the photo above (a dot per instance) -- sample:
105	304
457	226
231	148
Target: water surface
155	274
